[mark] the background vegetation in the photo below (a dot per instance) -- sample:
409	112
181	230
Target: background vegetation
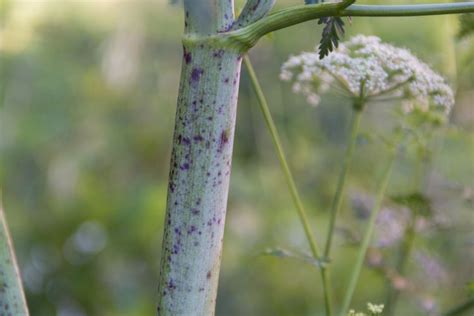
87	102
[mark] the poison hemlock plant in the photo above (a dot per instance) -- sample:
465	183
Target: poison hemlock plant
365	70
213	48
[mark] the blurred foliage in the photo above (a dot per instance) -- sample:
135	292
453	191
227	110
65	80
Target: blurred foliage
87	101
466	22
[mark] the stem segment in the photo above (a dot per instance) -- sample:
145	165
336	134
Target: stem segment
368	235
281	157
12	297
286	17
338	197
289	178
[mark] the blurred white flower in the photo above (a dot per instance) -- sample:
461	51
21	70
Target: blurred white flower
366	68
375	309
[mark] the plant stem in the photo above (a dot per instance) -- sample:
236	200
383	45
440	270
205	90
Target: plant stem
368	235
409	9
12	297
288	176
407	246
281	157
338	197
249	35
458	310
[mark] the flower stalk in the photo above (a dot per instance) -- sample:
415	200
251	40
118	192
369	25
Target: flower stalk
341	182
368	234
290	181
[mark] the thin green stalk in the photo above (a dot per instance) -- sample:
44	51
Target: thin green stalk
408	238
368	235
341	182
281	157
407	246
288	177
464	307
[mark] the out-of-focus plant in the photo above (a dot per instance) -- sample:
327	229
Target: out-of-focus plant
373	310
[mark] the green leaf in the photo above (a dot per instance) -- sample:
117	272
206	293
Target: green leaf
416	201
283	253
333	31
466	22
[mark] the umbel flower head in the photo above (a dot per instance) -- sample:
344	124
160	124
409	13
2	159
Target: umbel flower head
367	69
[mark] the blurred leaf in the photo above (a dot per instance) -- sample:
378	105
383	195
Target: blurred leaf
283	253
417	202
332	33
466	22
470	288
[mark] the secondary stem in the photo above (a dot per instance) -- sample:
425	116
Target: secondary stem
338	197
407	246
249	35
368	235
288	176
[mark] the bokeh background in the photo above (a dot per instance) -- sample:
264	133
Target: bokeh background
87	104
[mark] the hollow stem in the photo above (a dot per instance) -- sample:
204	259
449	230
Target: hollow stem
288	177
368	235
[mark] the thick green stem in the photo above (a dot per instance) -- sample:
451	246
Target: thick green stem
338	197
12	297
286	17
368	236
200	167
289	178
409	9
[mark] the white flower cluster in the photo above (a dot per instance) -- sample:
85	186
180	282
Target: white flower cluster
375	309
367	68
372	308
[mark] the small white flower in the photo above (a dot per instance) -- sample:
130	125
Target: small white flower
366	65
375	309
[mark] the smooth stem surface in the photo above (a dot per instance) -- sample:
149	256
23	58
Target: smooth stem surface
409	9
12	297
301	13
289	179
341	182
368	235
